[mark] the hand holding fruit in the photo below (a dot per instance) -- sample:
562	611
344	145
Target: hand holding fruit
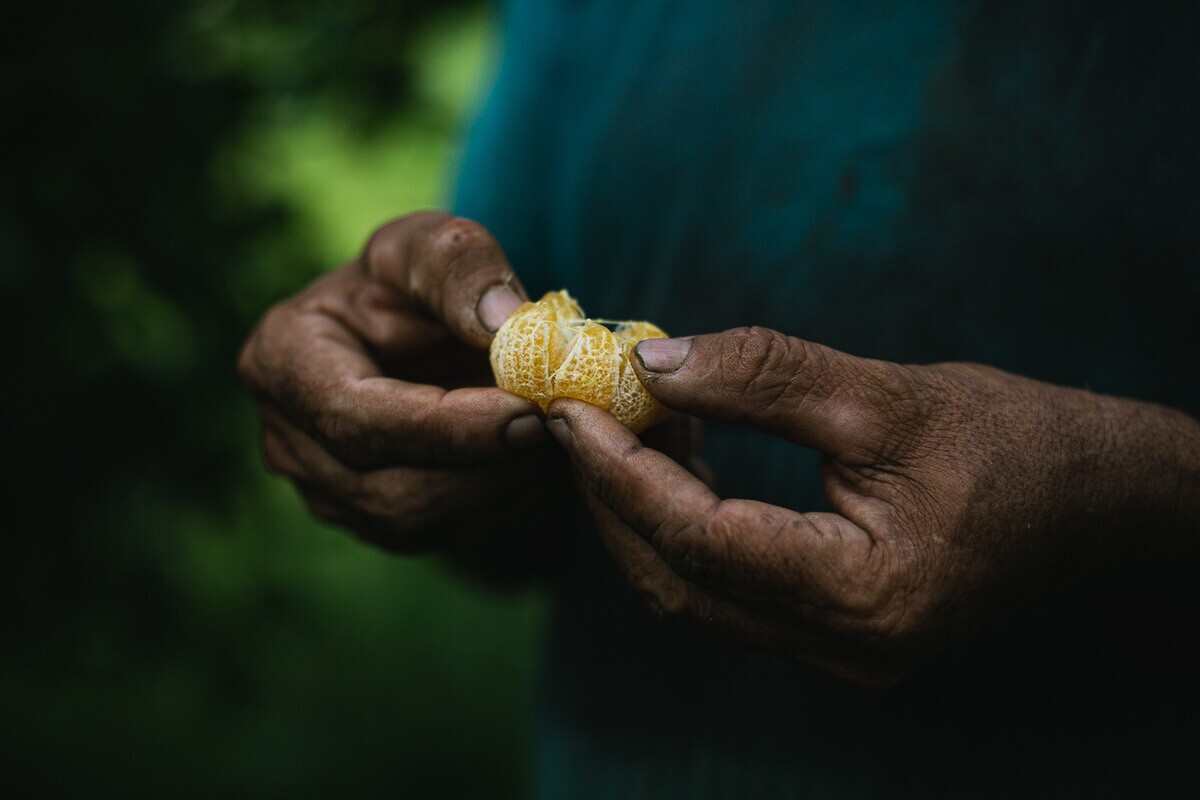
375	395
954	487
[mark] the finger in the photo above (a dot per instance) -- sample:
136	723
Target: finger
371	530
374	491
669	596
313	369
282	459
277	456
325	508
740	546
805	392
393	508
453	267
673	598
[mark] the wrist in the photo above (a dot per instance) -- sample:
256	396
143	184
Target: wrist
1140	477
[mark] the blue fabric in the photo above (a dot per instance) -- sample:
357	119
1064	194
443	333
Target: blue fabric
1009	183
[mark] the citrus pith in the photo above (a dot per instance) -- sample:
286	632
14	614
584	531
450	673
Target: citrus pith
551	349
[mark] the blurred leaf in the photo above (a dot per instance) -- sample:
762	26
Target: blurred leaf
182	624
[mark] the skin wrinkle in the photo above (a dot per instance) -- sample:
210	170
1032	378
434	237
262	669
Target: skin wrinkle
858	505
450	240
649	582
746	358
954	483
774	376
314	357
827	384
673	599
887	599
602	490
336	306
448	430
449	252
718	534
792	568
902	417
328	424
766	581
685	544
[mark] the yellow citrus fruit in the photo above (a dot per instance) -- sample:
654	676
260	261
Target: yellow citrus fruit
550	349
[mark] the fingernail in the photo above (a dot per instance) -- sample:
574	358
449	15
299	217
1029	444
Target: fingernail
496	306
663	355
525	431
561	431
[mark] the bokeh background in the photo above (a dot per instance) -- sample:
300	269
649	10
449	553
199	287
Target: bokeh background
176	623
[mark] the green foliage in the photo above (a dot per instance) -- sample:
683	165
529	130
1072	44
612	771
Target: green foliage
178	623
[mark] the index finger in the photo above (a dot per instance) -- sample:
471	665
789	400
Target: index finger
452	267
752	549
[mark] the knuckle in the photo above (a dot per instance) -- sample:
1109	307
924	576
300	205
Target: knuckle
355	492
252	358
427	256
881	605
665	598
385	246
685	546
426	426
869	603
448	241
763	364
339	426
374	505
445	255
272	455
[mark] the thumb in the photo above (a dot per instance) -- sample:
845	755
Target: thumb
805	392
451	267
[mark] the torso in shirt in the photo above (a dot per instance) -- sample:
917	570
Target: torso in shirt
1008	183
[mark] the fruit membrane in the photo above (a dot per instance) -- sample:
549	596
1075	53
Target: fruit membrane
551	349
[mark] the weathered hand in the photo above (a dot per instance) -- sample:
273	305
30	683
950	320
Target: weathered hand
955	486
370	387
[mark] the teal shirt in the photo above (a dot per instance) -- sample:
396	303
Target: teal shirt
1008	183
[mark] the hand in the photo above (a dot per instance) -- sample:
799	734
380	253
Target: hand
954	486
370	389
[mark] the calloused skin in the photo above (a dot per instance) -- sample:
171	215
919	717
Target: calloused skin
953	485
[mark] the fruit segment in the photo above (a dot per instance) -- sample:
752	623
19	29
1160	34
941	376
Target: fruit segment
550	349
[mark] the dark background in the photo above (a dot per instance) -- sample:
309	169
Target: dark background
176	624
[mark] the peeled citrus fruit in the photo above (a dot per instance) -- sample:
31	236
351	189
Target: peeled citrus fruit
550	349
